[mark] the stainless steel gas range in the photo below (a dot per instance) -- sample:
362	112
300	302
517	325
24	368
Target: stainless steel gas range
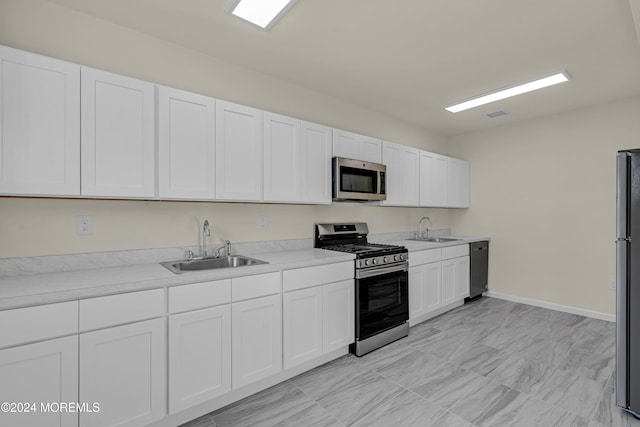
381	284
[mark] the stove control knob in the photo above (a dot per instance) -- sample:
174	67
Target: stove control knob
401	257
366	262
374	261
396	257
385	259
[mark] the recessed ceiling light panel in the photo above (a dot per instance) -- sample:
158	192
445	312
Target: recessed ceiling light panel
263	13
551	80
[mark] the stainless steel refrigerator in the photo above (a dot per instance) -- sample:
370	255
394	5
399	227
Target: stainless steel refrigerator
628	282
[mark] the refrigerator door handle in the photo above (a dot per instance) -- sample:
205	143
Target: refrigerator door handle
622	252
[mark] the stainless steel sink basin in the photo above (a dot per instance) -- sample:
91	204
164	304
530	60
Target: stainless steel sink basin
232	261
436	239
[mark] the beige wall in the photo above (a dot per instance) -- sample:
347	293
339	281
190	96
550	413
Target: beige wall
30	227
544	190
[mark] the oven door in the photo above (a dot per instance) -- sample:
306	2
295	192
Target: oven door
382	300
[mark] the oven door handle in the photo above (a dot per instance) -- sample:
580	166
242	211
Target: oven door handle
384	269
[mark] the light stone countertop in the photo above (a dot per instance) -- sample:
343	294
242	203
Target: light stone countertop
35	289
417	245
23	290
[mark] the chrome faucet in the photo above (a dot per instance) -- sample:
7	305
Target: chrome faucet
226	247
205	232
420	234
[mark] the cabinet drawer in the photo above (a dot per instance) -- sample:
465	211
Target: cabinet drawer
301	278
260	285
455	251
199	295
22	325
425	257
124	308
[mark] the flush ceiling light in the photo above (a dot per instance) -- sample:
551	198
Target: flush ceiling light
262	13
511	91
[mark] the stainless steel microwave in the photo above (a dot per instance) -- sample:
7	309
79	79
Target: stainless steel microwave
358	180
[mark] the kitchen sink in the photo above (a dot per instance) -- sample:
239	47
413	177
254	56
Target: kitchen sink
232	261
436	239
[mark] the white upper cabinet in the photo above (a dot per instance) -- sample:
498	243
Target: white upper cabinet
118	135
297	160
354	146
444	181
282	158
458	183
186	145
39	125
433	179
238	152
402	174
315	155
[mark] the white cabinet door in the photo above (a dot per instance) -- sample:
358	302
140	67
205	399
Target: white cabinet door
449	281
455	279
409	176
338	315
462	273
40	373
458	183
282	167
302	325
256	339
346	144
402	174
199	356
186	145
425	289
391	158
354	146
238	152
315	162
39	124
433	179
370	149
417	297
432	286
124	369
118	135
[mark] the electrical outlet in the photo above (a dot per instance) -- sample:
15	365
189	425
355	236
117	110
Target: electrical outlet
84	225
264	222
612	284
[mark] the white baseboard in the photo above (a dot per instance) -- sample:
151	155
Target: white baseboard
553	306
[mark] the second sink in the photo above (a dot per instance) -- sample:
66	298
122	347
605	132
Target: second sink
436	239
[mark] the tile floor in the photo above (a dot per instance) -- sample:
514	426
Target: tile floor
489	363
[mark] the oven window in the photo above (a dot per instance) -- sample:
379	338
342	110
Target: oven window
358	180
382	303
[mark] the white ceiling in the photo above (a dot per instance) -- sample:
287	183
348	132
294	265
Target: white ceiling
411	58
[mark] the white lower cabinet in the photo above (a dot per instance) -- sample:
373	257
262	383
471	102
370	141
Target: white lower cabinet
302	325
256	339
123	368
455	279
338	315
317	321
44	373
425	289
438	280
199	356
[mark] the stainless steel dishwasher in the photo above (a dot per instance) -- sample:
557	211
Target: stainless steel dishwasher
479	274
